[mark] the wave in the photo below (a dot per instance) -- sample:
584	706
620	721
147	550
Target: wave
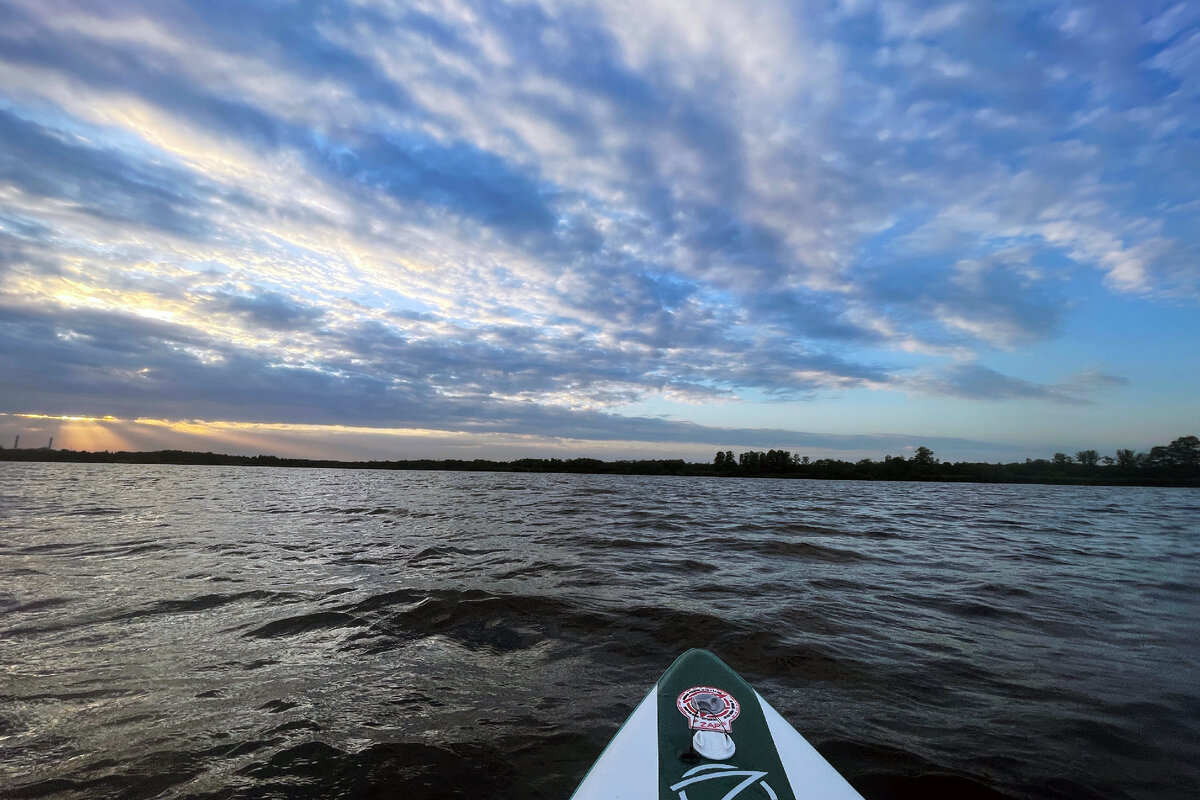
444	553
318	770
481	620
800	550
304	623
94	511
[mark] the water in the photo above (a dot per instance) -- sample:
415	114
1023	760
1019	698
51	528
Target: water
208	632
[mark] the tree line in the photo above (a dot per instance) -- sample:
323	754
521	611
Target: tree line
1177	463
1174	464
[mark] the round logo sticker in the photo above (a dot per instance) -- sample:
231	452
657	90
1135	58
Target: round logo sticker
708	708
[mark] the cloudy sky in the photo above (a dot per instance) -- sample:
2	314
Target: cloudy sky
621	229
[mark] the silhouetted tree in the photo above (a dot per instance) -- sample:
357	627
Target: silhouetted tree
924	457
1128	459
1088	458
777	461
1184	452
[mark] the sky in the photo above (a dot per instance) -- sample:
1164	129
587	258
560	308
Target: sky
620	229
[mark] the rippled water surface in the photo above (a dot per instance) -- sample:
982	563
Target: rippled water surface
208	632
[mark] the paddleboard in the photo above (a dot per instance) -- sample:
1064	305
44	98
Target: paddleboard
702	733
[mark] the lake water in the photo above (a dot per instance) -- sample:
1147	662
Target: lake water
211	632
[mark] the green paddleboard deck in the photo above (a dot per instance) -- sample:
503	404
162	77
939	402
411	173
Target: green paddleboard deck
703	733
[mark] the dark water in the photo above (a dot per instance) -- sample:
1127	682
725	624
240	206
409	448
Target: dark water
210	632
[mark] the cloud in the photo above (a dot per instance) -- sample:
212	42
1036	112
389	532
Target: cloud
1002	298
270	310
133	367
978	382
1091	381
526	215
41	162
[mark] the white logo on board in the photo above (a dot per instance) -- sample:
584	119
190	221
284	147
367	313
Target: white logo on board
714	772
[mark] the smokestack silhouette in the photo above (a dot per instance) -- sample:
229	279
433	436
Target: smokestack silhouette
17	442
51	445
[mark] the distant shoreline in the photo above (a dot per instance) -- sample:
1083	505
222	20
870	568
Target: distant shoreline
891	469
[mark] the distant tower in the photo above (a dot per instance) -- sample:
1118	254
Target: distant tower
51	445
17	442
